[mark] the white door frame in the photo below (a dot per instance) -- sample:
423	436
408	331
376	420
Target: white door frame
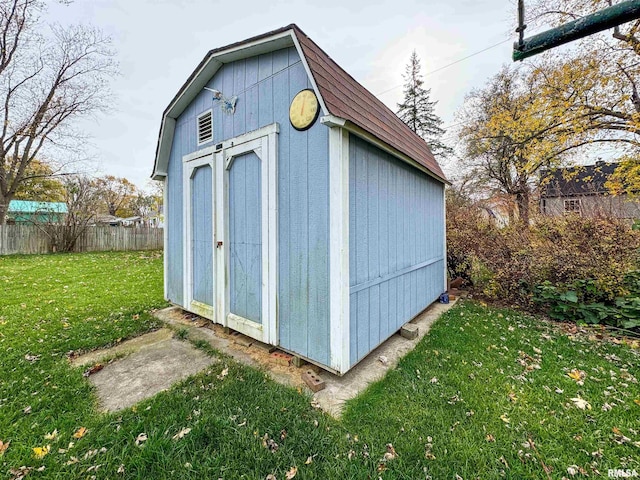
263	142
190	163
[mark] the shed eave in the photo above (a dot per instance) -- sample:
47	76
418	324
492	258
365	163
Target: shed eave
207	68
334	121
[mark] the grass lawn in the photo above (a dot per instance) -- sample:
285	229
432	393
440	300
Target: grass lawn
489	393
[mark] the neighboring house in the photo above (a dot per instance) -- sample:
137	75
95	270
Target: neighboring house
26	211
299	210
582	190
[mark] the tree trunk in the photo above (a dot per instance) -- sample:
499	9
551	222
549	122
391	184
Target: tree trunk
522	203
4	208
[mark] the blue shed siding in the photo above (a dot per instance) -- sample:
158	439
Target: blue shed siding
396	245
202	241
265	86
245	237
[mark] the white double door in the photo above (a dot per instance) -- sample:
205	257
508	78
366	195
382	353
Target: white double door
230	234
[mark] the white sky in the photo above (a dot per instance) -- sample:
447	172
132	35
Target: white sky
160	42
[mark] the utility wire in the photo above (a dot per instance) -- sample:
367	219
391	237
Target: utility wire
450	64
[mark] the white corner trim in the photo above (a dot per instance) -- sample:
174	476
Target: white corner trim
339	315
325	110
165	235
444	234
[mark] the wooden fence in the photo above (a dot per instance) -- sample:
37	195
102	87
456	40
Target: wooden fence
28	239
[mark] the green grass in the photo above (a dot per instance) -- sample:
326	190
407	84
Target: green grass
484	361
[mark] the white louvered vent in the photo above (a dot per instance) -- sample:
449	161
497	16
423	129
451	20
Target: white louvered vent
205	127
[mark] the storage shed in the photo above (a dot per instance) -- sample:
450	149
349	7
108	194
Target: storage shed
300	210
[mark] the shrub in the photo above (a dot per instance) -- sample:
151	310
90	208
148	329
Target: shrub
585	268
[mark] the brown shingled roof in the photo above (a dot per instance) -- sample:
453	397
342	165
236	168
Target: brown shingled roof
346	98
343	96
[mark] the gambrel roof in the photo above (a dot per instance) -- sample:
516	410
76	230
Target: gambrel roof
342	99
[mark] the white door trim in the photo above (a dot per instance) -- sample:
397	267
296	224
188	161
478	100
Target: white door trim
190	163
263	142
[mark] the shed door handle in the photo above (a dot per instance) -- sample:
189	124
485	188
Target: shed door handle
219	245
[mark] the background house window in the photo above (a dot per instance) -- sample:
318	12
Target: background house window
572	205
205	127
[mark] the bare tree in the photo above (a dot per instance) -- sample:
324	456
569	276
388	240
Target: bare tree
83	199
49	76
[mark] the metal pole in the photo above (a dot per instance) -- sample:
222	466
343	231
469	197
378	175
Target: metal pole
596	22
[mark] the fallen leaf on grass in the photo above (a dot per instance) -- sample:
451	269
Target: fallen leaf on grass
619	437
271	476
181	434
41	452
512	397
81	432
26	410
490	438
637	401
504	418
20	473
52	436
581	403
4	446
293	471
269	443
390	454
223	373
141	438
577	375
309	460
31	358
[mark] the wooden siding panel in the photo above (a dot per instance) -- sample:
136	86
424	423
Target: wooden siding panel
318	218
173	223
245	238
396	245
202	239
281	110
299	225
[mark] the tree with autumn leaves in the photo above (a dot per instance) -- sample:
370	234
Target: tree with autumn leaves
539	114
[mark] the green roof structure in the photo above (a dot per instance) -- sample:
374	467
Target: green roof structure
28	206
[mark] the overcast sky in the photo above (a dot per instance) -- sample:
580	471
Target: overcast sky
160	42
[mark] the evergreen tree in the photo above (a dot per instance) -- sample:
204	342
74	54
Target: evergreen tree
417	110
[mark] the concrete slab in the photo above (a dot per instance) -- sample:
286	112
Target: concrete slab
374	366
338	389
154	362
122	349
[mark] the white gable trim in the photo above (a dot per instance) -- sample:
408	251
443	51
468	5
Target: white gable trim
203	76
325	111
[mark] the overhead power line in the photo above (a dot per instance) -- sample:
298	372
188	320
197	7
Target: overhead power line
450	64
